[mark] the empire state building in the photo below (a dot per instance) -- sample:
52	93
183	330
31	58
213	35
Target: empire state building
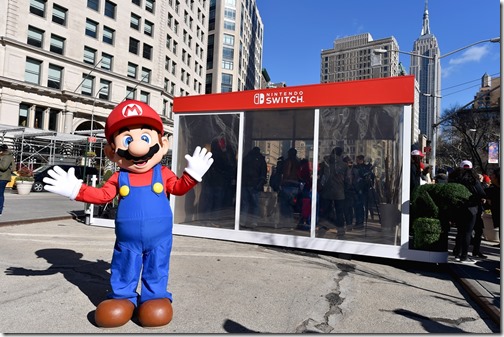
427	71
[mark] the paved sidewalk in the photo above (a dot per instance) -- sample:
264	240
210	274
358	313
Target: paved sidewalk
36	206
480	280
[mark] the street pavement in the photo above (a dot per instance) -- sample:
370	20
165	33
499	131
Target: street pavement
56	270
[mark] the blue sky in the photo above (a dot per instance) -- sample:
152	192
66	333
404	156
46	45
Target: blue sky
295	32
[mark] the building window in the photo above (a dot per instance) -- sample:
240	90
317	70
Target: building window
87	85
133	45
108	35
147	51
106	62
23	114
229	25
144	96
136	2
230	14
91	28
229	40
227	83
110	9
54	76
89	55
148	28
32	70
57	44
168	41
53	118
228	65
130	92
59	15
170	20
135	21
132	70
93	4
149	5
104	89
37	7
167	63
227	53
39	117
35	37
146	75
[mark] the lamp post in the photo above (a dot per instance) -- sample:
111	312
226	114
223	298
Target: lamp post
92	112
436	58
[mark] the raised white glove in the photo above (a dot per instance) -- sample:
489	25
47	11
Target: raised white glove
199	163
63	183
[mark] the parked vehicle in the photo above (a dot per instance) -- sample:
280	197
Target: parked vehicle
40	173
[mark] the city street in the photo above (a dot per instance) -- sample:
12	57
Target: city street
54	273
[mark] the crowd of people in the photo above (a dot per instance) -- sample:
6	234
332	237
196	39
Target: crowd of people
343	189
485	195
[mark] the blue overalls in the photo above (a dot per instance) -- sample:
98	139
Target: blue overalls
143	228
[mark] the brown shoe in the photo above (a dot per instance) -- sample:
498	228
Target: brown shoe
155	313
113	313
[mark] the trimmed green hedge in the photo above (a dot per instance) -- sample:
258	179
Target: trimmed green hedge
432	205
427	231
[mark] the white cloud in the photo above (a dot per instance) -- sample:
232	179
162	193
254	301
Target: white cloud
447	71
473	54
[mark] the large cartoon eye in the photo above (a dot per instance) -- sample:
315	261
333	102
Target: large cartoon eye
146	138
127	140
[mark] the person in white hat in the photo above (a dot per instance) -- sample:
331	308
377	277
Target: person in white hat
467	215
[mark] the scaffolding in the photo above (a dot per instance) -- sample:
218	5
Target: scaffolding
33	148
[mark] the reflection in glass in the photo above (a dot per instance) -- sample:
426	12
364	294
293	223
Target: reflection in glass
360	173
284	139
211	202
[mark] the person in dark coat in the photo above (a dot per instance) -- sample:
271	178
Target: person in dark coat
253	180
468	213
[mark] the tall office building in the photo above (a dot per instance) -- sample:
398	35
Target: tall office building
358	57
427	71
235	46
66	64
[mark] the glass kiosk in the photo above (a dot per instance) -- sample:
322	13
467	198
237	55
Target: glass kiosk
350	193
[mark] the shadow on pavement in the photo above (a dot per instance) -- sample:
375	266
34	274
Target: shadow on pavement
92	278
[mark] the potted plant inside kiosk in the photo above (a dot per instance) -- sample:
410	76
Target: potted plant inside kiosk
389	195
432	206
24	180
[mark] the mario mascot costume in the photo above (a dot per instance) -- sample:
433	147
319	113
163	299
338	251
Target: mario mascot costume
143	225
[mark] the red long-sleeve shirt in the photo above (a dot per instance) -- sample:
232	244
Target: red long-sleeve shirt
102	195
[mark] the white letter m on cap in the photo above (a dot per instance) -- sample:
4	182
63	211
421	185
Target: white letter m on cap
132	110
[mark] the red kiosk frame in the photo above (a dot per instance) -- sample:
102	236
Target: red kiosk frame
370	118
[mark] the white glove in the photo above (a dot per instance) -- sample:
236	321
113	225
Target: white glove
63	183
199	163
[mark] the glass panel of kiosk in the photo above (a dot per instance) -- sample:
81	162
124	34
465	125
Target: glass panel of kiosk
353	193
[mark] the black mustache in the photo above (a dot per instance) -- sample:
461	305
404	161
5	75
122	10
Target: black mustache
128	156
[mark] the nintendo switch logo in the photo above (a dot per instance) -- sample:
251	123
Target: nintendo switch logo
258	98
